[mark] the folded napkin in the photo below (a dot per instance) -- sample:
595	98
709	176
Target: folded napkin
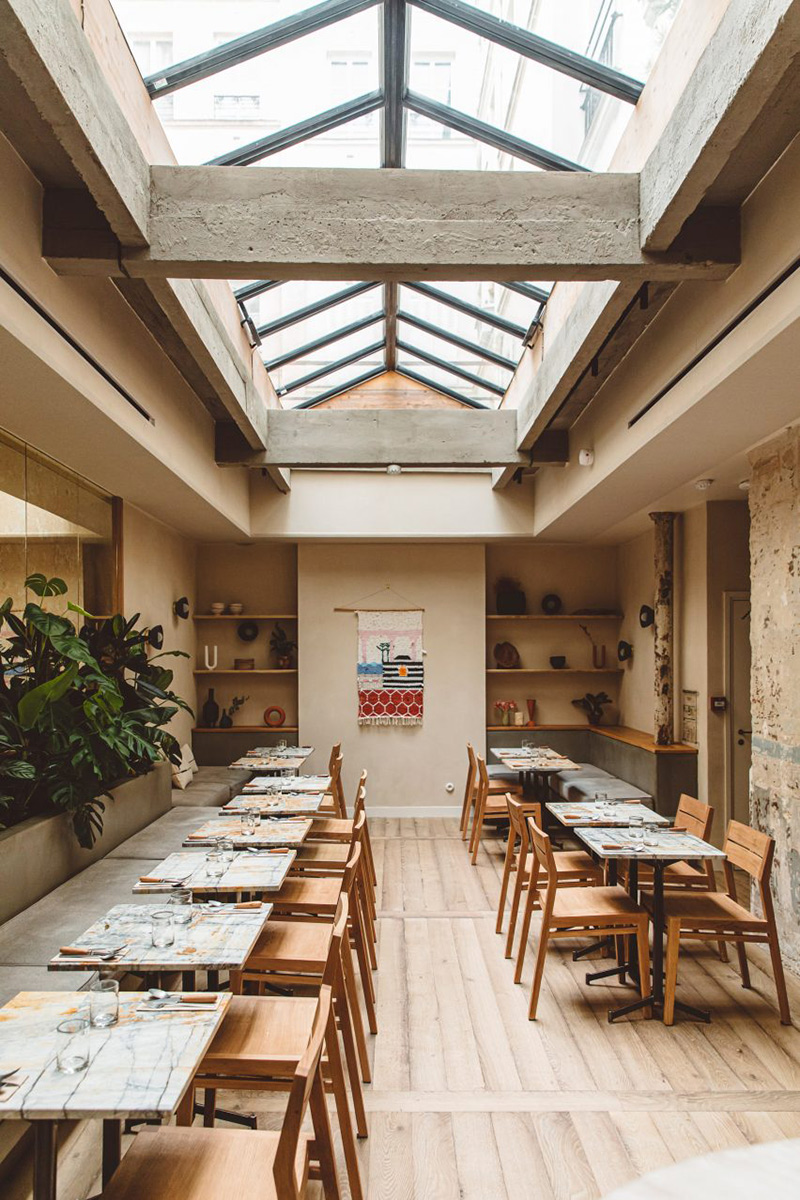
612	846
89	951
197	997
162	879
8	1088
248	904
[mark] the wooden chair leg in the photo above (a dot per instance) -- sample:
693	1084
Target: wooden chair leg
185	1111
364	971
509	859
477	830
466	809
526	926
671	973
209	1107
342	1008
538	972
643	948
236	983
349	975
322	1146
743	966
516	900
343	1110
780	979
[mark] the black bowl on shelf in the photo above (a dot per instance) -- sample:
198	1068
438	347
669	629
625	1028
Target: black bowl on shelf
558	662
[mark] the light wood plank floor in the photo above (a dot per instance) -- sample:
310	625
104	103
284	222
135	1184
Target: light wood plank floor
470	1099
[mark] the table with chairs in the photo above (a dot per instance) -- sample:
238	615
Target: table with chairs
282	899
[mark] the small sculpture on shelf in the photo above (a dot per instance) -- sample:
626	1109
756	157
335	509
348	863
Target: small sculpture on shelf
593	704
506	655
598	652
226	720
510	598
505	710
282	647
531	706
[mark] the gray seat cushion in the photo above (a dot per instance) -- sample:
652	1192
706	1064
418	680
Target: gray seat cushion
561	781
211	787
614	789
503	773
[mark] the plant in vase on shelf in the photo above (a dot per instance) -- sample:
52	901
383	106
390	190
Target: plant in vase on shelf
505	710
598	652
79	711
226	720
593	704
282	647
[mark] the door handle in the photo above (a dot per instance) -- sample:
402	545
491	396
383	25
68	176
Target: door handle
742	732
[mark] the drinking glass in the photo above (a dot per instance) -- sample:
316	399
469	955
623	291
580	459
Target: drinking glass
250	823
225	847
527	743
163	931
72	1045
181	902
104	1003
281	744
651	835
215	864
636	831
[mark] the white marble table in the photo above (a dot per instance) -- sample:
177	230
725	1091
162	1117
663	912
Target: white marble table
138	1069
271	832
215	939
588	812
540	760
276	804
266	762
263	871
287	751
744	1173
666	846
296	783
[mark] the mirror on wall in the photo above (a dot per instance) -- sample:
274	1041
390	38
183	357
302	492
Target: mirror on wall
56	523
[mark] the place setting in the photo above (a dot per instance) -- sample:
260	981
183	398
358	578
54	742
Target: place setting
250	830
295	783
220	869
276	804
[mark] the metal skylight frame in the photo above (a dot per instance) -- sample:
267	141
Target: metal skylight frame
395	100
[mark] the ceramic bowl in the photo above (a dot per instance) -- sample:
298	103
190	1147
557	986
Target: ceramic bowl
236	609
558	662
217	608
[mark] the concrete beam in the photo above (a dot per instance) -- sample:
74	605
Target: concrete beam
732	121
376	438
332	223
43	46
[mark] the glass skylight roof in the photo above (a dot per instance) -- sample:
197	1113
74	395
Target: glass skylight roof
491	85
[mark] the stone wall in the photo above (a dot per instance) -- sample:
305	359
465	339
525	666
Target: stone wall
775	680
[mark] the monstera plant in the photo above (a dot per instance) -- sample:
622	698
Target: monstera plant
80	710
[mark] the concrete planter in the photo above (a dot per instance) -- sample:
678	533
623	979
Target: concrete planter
41	853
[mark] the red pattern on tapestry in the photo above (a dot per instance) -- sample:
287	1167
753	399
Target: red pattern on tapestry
382	702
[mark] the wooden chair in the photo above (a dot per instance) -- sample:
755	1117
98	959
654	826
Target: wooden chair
574	868
317	898
697	818
490	805
718	916
331	859
262	1039
497	787
201	1164
334	803
328	831
517	831
568	912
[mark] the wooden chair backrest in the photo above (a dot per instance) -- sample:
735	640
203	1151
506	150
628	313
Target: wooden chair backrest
337	934
337	790
358	828
361	793
289	1182
543	858
472	768
750	850
336	752
351	870
694	816
518	812
483	776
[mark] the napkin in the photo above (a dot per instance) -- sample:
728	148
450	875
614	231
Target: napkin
8	1088
248	904
612	846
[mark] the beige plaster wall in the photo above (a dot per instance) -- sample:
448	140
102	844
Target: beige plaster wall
636	588
691	629
775	695
409	767
584	577
159	567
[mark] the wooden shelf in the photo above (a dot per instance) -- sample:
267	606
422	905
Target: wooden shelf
255	671
617	733
245	617
530	728
554	616
554	670
248	729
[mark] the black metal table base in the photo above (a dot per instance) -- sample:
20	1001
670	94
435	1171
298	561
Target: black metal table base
248	1120
577	955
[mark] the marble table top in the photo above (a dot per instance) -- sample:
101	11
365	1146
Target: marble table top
668	846
289	832
296	783
741	1173
263	871
214	939
275	804
266	762
586	812
139	1067
540	759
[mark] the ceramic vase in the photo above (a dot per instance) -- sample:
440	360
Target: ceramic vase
210	711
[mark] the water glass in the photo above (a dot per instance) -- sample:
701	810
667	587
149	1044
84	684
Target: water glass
651	835
181	902
281	744
72	1045
104	1003
636	830
250	823
163	931
225	847
215	864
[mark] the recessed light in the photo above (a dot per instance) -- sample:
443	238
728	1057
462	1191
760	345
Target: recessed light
393	469
744	485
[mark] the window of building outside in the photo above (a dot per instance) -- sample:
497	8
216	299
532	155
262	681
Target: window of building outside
592	98
153	51
350	77
431	76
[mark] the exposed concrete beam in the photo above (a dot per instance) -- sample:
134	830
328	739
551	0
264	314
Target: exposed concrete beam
44	47
376	438
333	223
732	121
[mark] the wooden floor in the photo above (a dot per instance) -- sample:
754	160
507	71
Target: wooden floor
470	1099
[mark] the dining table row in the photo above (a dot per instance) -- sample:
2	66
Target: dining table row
630	882
245	961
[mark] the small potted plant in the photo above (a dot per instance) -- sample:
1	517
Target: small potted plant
505	710
282	647
593	704
226	720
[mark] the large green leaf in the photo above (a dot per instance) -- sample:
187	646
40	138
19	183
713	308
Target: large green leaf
33	702
40	585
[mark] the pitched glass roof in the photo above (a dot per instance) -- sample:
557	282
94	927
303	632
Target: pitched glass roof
428	84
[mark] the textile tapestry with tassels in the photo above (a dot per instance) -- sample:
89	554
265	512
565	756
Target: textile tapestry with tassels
391	676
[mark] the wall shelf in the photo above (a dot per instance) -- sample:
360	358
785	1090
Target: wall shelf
245	617
528	729
247	729
554	670
255	671
554	617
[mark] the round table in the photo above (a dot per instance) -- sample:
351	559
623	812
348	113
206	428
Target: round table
771	1169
